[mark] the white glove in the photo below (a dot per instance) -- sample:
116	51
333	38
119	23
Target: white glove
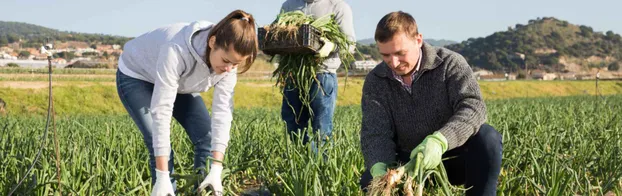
163	186
351	49
213	179
326	48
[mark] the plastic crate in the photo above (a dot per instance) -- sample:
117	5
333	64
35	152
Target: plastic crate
307	41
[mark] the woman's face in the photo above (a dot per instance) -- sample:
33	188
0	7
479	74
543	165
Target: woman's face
224	60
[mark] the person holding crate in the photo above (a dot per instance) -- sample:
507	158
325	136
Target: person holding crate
424	100
323	102
160	75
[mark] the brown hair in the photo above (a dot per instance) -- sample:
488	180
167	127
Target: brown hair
238	30
394	23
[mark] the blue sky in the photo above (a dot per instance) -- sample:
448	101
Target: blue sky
455	20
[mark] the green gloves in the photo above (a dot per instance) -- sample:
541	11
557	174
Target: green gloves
379	169
326	48
432	148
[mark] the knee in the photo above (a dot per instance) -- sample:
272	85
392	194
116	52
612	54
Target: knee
490	138
489	133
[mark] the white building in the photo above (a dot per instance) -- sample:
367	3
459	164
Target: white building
31	63
4	55
365	65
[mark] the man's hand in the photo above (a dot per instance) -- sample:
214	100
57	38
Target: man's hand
213	180
432	148
326	48
162	186
379	169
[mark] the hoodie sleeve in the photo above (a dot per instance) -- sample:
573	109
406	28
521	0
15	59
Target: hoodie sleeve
284	7
343	17
168	69
222	110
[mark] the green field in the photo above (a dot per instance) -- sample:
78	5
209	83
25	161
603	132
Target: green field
83	97
559	139
552	146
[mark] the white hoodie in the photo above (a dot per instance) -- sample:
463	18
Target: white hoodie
166	57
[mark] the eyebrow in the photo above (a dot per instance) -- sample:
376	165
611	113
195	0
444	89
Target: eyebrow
397	52
224	59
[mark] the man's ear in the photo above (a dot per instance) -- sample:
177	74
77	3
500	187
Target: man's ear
419	39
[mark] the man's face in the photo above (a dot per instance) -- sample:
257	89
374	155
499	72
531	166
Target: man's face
401	53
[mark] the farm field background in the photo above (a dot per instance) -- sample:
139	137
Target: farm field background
559	139
93	91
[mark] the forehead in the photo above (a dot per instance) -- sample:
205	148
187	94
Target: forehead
232	55
399	42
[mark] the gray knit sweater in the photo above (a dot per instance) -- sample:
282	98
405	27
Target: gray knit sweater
445	97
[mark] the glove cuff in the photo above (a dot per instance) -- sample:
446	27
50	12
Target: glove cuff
215	169
161	174
379	166
441	140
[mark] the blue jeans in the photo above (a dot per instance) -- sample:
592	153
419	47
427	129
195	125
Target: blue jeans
322	106
189	110
477	163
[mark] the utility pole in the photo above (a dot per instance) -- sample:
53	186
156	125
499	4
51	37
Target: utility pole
602	65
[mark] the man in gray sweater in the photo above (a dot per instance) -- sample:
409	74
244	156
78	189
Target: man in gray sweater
424	99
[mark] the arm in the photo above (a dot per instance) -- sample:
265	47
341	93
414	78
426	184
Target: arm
222	109
283	8
377	142
466	100
168	68
344	18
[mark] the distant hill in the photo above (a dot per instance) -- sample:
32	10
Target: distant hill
547	44
367	41
434	42
439	42
34	35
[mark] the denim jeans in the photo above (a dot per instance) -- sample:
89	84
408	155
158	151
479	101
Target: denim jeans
477	163
189	110
322	106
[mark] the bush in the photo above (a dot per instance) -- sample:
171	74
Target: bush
12	65
615	66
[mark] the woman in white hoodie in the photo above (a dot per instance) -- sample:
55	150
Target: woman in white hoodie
160	75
